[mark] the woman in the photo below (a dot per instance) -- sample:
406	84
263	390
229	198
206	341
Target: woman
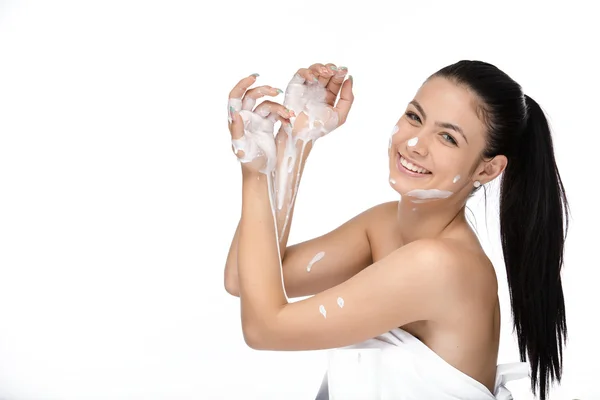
412	268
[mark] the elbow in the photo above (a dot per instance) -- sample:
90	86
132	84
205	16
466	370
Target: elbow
253	337
259	334
231	287
232	290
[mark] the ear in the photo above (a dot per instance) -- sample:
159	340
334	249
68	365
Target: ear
488	170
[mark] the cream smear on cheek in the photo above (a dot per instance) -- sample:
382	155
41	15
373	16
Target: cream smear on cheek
394	131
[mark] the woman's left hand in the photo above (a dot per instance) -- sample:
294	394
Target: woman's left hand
252	128
313	94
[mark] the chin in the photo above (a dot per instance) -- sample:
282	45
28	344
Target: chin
400	186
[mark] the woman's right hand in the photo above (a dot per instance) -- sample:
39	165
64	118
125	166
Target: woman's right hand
312	94
251	128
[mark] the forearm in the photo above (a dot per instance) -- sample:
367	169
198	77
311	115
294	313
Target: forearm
288	180
231	268
287	183
260	280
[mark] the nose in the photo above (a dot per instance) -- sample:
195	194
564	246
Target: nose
418	145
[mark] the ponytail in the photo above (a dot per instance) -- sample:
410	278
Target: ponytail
534	215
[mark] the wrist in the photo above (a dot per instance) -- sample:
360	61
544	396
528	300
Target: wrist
303	146
298	142
251	177
255	193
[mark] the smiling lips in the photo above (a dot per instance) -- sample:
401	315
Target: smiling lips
410	168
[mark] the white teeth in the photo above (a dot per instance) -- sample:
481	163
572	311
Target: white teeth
412	167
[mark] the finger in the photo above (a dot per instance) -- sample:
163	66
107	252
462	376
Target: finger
236	127
331	70
307	75
334	85
249	99
272	110
238	90
238	146
346	99
274	117
236	94
323	72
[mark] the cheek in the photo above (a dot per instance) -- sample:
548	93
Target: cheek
450	161
404	125
403	131
461	170
457	173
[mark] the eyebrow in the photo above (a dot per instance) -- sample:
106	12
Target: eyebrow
446	125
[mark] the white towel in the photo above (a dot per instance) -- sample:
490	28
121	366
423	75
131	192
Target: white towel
411	370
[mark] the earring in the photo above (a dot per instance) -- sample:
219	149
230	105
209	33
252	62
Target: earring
476	184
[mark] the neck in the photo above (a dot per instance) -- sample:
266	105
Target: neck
428	220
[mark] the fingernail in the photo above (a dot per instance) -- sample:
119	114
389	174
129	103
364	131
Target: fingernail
255	75
351	79
231	111
279	91
333	67
315	79
344	68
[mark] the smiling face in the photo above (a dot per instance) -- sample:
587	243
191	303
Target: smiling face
436	145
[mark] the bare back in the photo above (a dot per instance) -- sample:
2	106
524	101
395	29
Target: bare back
467	335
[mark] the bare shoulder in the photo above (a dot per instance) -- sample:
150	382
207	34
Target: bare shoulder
383	211
444	257
472	270
381	219
461	257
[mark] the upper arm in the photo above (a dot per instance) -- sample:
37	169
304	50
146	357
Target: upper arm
318	264
416	282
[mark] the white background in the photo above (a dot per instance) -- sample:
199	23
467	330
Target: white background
119	192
